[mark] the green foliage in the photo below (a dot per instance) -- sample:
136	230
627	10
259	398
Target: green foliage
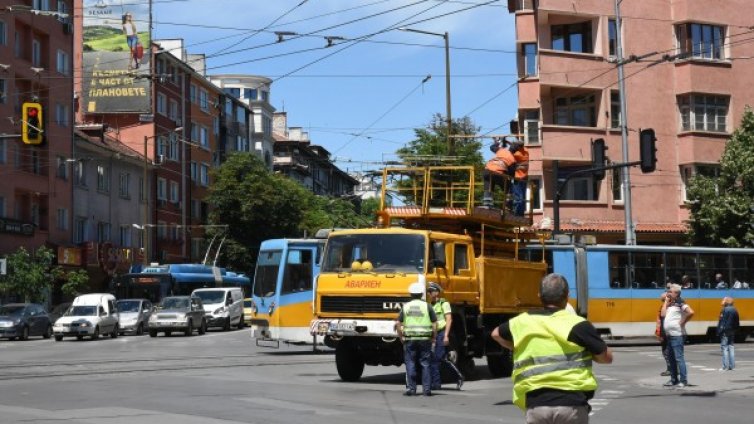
29	274
722	207
76	283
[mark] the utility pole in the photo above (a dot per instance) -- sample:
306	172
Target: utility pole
145	206
451	142
630	233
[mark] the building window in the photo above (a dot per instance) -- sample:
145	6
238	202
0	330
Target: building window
192	93
572	37
701	41
62	220
80	173
174	197
233	91
529	54
125	236
194	171
241	144
204	174
204	136
534	194
173	111
36	53
103	232
141	189
162	230
3	151
215	125
173	150
265	96
17	44
162	189
62	168
524	5
62	10
701	112
615	118
203	100
63	65
577	111
531	126
162	106
61	115
267	125
160	67
3	34
162	146
36	163
612	37
579	188
3	91
2	207
250	93
688	172
124	182
79	230
617	185
103	178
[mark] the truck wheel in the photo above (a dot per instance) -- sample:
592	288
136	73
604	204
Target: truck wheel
348	361
500	365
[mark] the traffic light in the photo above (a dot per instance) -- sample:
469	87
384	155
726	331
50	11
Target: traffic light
32	127
598	158
647	150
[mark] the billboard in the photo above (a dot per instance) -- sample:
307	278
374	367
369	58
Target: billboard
116	63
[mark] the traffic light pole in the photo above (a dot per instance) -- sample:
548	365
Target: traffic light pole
560	184
630	233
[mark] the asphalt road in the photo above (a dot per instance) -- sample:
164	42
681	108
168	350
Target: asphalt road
224	378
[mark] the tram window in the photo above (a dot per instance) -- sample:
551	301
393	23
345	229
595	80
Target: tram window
680	265
709	266
649	268
460	258
298	272
266	276
742	267
619	270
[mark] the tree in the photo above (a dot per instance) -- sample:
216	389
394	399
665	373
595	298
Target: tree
76	282
29	274
722	207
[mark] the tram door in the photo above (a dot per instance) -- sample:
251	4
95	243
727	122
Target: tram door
296	293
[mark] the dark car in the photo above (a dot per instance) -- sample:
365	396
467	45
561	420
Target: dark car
21	320
178	314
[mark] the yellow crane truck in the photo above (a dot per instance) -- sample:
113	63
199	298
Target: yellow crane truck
438	235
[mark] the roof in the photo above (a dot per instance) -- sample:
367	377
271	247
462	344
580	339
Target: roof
108	143
586	226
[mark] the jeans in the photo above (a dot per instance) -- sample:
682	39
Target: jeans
421	351
677	361
729	351
436	360
519	197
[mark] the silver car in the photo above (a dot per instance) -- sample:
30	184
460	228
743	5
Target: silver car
178	314
134	315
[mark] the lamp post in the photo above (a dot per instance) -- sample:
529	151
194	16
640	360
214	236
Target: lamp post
445	37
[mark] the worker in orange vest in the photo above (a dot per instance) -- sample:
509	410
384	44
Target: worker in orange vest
520	176
496	169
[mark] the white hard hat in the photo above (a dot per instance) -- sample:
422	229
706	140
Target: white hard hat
417	288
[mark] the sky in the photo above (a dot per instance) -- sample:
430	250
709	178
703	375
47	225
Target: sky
361	98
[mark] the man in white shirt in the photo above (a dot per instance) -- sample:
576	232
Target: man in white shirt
676	313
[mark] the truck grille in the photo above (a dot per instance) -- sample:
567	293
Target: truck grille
361	305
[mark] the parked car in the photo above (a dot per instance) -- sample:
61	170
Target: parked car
21	320
247	314
89	315
178	313
223	306
58	311
134	315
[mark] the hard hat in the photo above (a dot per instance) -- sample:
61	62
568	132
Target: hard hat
434	287
366	265
416	288
356	265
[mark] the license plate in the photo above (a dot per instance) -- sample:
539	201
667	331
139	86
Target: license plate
322	327
342	326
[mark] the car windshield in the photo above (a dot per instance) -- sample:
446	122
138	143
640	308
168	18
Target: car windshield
128	305
175	303
211	296
82	311
12	310
384	253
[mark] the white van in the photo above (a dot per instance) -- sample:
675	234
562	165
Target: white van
89	315
223	306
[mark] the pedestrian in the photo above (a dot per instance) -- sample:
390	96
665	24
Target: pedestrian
726	329
676	313
520	176
417	330
661	337
442	340
553	352
496	171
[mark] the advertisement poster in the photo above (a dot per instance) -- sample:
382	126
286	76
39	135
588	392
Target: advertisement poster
117	53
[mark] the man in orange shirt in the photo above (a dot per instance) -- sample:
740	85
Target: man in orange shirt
520	177
495	170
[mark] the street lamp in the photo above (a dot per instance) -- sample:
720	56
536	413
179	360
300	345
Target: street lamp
447	79
145	205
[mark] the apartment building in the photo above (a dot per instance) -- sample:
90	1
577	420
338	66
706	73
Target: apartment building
687	76
36	54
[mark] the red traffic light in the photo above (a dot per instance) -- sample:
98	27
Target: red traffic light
32	112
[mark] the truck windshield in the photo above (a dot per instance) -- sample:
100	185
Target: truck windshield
383	253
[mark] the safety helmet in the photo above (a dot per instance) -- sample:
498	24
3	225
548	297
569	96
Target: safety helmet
434	287
416	288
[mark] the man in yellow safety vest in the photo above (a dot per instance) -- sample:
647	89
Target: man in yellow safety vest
553	352
417	328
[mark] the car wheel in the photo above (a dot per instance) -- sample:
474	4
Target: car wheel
24	334
226	327
168	333
140	329
203	327
79	337
189	330
240	323
48	332
152	333
114	334
58	338
95	336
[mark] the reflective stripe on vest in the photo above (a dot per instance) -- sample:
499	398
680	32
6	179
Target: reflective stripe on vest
417	324
544	358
